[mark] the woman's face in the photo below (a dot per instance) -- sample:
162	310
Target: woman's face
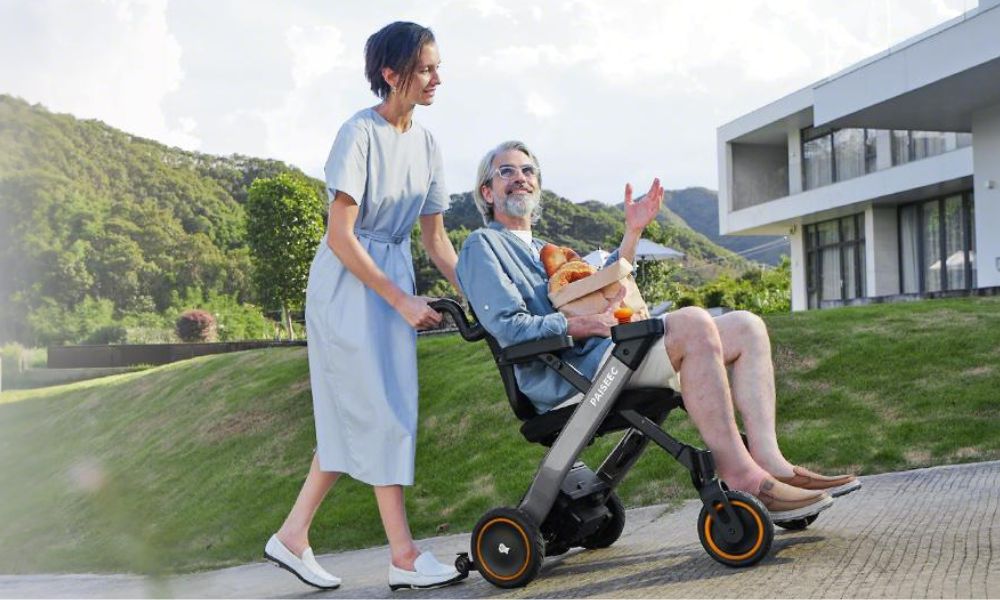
426	77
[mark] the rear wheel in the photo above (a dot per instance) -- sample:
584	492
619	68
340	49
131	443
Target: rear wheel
612	529
758	531
507	547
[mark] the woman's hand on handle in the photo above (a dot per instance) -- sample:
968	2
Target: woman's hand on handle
417	311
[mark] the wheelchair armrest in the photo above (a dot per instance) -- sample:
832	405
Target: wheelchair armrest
640	329
529	351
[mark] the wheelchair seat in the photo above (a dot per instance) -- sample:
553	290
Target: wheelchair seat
652	403
649	402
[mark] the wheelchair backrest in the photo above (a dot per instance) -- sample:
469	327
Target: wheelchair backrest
472	331
519	403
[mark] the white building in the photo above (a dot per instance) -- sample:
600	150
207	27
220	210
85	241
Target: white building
885	176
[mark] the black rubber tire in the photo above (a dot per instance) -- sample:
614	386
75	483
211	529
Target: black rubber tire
758	532
463	564
611	530
797	524
507	548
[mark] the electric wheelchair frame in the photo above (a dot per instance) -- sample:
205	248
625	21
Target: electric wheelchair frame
568	504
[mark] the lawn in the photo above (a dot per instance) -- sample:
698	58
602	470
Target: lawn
192	465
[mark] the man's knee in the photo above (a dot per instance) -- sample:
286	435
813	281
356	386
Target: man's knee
750	326
691	329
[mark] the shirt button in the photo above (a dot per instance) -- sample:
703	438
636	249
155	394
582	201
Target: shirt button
486	307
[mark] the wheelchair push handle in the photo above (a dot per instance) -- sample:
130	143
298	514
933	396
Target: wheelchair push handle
470	332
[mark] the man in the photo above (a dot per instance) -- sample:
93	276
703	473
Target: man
502	276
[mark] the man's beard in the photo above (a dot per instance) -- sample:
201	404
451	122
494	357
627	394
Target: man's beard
520	204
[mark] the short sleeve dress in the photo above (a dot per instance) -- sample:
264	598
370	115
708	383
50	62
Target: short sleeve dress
362	353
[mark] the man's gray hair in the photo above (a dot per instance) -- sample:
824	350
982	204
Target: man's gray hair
484	176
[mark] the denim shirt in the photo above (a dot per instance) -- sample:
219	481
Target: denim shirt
507	287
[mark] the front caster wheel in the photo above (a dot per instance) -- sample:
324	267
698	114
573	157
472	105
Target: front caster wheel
758	531
797	524
463	564
507	548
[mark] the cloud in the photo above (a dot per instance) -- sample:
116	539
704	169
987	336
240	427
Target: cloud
538	106
316	50
604	91
113	61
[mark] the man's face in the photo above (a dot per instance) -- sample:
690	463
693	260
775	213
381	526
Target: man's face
518	194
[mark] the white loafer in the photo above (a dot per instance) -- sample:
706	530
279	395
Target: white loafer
427	573
306	568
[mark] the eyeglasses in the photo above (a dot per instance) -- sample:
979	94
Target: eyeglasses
510	171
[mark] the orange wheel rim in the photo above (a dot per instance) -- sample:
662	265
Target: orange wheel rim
757	542
524	536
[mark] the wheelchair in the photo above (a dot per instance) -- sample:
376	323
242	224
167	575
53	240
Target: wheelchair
568	504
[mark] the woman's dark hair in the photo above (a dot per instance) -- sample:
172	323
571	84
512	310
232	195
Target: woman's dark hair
396	46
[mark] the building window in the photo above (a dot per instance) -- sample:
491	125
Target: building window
835	259
848	153
832	155
936	245
900	147
817	161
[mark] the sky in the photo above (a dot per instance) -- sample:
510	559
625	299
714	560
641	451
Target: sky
604	92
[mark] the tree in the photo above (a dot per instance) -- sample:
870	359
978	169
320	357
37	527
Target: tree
284	225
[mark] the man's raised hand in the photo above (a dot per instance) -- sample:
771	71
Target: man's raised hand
641	213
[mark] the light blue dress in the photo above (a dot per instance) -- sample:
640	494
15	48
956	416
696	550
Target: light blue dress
362	353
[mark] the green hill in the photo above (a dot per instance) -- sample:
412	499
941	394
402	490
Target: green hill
699	208
192	465
91	212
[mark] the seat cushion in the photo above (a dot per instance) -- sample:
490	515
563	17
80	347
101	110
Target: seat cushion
653	403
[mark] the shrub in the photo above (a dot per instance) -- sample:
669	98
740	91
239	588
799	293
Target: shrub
196	326
150	335
12	357
236	321
109	334
52	324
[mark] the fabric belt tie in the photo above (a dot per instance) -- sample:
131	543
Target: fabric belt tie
382	237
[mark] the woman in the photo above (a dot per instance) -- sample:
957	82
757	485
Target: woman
361	313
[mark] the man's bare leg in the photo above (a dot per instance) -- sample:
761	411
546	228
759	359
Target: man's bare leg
696	352
746	349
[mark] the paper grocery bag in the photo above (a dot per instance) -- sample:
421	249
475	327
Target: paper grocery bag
590	295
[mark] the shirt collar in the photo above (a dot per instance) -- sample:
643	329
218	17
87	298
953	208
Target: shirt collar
498	226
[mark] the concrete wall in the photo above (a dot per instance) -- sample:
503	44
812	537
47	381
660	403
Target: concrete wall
794	160
124	355
986	181
760	174
796	240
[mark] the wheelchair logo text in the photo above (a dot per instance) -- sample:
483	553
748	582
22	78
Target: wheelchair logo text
503	549
605	384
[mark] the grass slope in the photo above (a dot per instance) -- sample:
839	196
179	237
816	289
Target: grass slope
193	465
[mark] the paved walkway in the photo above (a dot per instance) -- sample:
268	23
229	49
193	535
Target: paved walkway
929	533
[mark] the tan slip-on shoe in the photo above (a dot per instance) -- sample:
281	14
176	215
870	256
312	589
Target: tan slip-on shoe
785	503
835	485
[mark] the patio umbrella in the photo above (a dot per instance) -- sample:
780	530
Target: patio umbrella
596	258
647	250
